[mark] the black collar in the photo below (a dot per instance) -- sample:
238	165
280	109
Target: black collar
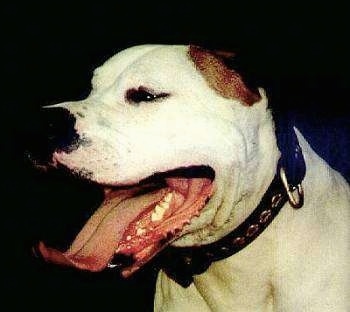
181	263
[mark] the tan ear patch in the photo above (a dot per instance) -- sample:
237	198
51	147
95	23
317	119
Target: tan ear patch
223	80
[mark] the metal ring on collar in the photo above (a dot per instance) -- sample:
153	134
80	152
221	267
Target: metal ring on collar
294	201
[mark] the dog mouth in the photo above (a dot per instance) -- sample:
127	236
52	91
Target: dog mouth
134	223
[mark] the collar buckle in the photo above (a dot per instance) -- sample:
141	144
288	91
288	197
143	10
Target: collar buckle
295	201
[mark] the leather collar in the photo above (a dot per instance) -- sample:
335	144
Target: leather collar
182	263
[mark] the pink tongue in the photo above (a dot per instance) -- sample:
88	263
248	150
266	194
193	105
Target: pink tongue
108	228
95	245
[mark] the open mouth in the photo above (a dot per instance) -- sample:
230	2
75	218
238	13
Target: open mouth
136	222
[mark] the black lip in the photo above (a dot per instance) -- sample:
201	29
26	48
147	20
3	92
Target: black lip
185	172
121	261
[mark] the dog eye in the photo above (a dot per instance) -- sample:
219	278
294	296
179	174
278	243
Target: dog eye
143	95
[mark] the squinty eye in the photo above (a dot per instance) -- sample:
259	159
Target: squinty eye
142	94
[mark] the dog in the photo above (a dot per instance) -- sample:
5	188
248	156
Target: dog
185	152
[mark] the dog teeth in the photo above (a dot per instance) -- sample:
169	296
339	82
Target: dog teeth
168	197
159	211
161	207
140	231
128	237
157	214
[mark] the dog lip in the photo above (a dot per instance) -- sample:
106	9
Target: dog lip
120	261
195	171
107	231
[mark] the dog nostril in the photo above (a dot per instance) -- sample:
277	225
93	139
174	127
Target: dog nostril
58	125
52	129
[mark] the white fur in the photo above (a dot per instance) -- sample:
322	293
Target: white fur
300	263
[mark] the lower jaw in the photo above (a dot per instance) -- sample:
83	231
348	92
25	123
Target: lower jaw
161	231
145	233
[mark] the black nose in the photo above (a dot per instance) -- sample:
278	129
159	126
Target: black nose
52	130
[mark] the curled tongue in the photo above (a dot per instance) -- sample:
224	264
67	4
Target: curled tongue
129	224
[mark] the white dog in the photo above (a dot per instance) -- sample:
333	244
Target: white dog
186	153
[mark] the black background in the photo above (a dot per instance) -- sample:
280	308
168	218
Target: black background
298	53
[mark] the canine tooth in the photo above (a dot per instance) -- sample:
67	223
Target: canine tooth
158	209
140	231
164	205
157	213
128	237
168	197
156	216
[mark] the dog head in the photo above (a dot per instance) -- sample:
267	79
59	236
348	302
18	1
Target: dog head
181	145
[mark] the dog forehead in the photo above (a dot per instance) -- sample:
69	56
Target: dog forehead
155	62
134	57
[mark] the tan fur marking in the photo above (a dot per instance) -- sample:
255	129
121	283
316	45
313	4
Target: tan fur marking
223	80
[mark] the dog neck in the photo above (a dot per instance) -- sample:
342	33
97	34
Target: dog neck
184	262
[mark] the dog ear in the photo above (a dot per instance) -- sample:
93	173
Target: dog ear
224	80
